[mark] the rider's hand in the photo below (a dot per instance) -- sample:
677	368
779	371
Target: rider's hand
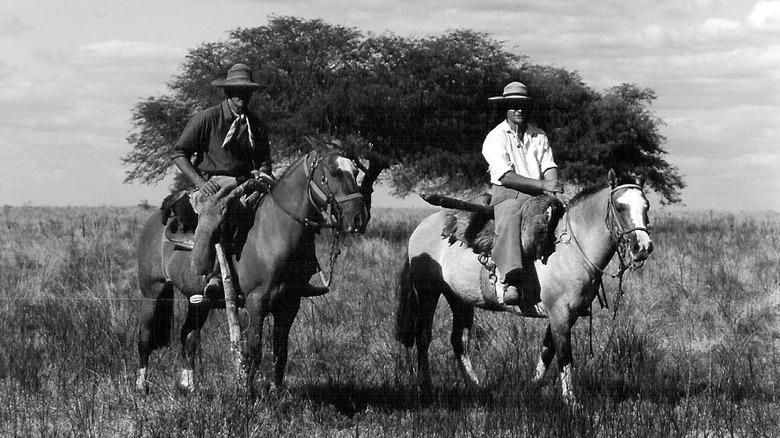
268	180
552	185
209	188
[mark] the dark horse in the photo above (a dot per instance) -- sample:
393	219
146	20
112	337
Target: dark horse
595	226
317	190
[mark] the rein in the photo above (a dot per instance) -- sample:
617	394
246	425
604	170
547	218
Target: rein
618	233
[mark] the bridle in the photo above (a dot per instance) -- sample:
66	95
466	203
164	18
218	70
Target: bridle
321	196
619	231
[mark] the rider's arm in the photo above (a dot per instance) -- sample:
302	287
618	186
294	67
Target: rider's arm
194	135
533	186
185	166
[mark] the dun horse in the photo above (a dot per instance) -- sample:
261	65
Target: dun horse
318	190
595	226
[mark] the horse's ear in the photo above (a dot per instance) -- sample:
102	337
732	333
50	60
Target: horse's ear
312	142
337	145
611	177
640	180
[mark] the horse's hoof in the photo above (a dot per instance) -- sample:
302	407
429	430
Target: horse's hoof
142	388
141	384
572	403
186	385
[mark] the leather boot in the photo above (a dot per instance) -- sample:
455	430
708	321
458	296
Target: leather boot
309	290
213	290
514	297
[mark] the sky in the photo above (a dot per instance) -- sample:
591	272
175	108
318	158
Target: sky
72	71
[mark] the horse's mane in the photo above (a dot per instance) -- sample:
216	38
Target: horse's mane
587	192
292	165
319	150
597	187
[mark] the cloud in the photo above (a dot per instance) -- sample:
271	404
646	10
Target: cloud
11	25
718	26
117	49
765	15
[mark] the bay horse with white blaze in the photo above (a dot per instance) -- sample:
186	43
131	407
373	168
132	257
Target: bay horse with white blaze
276	261
597	223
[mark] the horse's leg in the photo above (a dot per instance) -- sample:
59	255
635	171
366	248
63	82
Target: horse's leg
284	313
197	314
252	350
546	357
462	321
428	298
561	332
154	326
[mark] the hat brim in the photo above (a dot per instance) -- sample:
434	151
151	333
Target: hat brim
510	99
237	84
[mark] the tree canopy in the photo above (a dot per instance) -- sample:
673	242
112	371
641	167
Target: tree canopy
418	103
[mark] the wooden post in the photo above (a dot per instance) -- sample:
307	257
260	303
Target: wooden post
234	328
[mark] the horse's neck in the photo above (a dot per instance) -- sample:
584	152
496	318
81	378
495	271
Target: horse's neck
291	194
284	210
588	226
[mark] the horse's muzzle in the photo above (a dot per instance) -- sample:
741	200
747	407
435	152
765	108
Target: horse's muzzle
640	245
355	222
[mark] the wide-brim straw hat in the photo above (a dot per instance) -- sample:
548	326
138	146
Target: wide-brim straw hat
239	76
513	92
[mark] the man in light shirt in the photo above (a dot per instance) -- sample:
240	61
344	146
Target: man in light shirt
521	166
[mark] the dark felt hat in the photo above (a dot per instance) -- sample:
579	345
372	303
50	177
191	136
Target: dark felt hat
239	76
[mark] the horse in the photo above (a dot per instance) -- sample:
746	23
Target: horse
587	239
316	191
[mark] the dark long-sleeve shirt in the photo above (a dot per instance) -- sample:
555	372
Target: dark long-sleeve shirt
203	137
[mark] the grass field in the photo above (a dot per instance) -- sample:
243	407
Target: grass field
691	351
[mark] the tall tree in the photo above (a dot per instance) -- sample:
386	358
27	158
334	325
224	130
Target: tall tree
419	104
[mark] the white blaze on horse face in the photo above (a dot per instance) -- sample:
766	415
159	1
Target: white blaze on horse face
636	203
348	167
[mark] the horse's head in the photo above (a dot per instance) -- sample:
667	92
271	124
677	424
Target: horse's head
335	192
628	220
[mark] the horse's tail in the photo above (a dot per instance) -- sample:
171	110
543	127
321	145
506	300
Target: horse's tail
156	313
406	318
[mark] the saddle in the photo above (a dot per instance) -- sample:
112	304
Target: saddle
179	219
230	217
476	229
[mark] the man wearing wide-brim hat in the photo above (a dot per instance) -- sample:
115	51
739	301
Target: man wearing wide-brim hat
225	140
219	148
521	166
